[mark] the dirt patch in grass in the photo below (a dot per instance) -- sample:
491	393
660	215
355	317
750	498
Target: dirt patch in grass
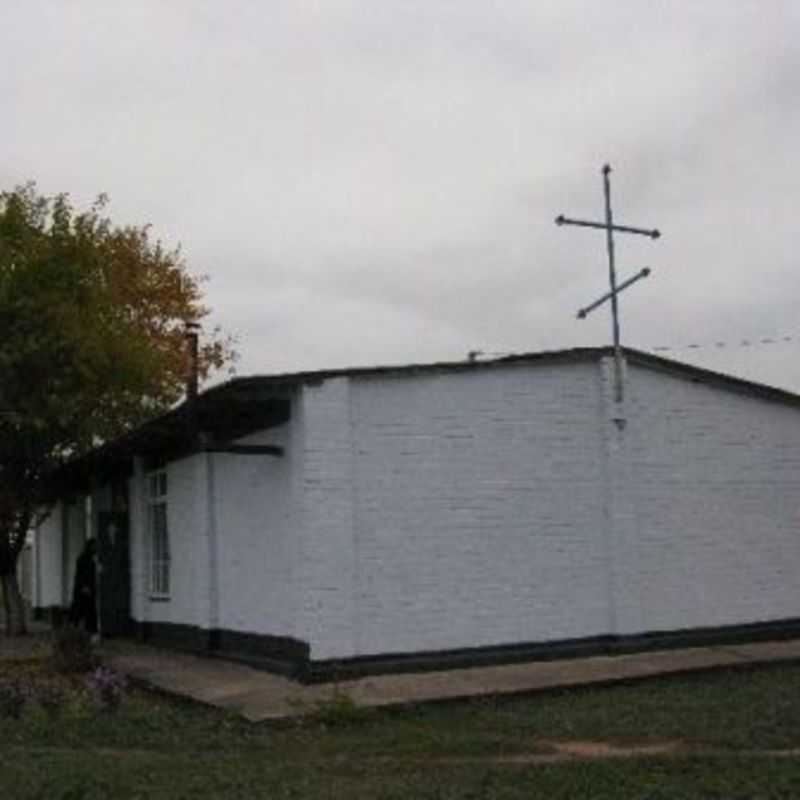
543	753
603	749
577	752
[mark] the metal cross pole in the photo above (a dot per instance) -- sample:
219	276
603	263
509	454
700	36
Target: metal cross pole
609	227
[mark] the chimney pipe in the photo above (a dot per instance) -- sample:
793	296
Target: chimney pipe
193	371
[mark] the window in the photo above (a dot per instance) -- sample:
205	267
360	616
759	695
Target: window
158	532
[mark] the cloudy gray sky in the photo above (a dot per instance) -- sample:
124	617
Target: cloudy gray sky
375	181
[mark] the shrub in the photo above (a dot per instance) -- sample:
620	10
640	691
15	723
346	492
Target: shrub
72	650
106	687
51	700
339	710
13	697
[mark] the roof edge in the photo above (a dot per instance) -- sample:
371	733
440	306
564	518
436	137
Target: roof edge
281	383
721	379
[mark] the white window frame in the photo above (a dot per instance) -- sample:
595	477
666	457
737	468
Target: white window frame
158	534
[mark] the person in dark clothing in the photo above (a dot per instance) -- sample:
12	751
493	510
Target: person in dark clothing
84	590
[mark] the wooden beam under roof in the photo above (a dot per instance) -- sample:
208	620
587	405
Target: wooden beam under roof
245	449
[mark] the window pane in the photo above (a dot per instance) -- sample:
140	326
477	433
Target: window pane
158	533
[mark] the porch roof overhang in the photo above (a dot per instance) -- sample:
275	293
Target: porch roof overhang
218	416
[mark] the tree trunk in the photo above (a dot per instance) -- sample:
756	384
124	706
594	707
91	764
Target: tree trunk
16	618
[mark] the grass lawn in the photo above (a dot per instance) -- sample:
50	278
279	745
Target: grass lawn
721	733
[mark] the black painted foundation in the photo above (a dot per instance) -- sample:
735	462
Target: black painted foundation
291	657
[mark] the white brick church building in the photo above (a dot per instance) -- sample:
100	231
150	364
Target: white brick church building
396	518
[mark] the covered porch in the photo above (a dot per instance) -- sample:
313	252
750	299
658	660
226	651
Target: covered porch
96	496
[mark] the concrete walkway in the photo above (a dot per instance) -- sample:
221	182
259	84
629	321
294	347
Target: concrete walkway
258	695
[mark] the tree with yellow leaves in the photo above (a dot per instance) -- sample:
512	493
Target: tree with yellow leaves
92	343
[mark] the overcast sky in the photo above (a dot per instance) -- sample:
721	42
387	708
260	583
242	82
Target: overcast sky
375	181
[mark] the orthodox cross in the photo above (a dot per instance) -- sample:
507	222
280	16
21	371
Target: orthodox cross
609	227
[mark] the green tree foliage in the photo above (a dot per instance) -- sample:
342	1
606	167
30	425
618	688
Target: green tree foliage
92	343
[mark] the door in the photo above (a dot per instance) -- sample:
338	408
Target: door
114	573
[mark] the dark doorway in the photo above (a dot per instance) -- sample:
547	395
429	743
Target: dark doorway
114	573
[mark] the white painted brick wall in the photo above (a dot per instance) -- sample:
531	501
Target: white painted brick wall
325	522
49	587
504	506
715	476
186	519
495	506
57	544
256	540
477	516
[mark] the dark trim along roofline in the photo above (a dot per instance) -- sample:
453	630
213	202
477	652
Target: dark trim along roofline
572	355
171	432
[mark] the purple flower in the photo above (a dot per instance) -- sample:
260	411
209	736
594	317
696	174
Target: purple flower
106	687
